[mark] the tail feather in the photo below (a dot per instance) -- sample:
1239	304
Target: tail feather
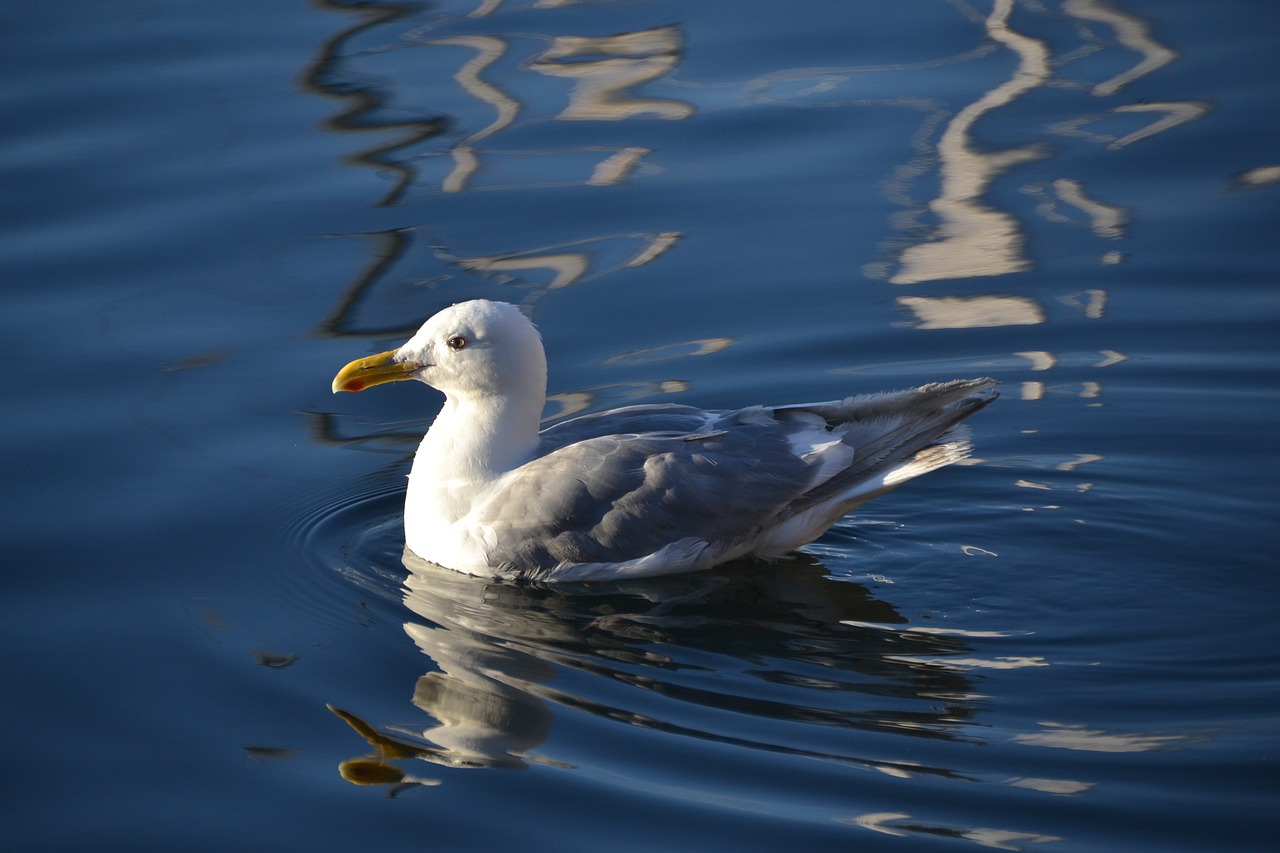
896	437
913	401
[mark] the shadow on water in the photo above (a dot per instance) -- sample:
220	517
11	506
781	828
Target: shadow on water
797	646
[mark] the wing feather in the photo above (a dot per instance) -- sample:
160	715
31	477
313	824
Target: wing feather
615	489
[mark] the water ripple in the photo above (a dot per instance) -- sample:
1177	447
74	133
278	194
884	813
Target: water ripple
353	540
703	659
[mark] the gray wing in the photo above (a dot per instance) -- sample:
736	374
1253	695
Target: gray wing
622	484
621	497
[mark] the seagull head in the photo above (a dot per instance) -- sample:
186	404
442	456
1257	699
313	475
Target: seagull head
474	349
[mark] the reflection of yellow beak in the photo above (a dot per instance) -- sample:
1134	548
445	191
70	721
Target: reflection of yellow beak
373	370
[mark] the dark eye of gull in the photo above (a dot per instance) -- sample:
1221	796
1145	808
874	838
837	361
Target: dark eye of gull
456	342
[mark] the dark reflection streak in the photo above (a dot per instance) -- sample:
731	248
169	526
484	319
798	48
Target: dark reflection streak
922	724
886	680
324	78
323	430
939	723
646	722
390	247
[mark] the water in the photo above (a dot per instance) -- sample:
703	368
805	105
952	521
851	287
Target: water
1069	645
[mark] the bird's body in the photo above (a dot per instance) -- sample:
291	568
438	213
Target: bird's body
642	490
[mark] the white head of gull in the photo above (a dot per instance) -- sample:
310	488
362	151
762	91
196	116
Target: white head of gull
643	490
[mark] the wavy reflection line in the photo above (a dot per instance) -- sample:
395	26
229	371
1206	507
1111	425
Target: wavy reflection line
489	49
626	60
573	267
973	239
603	69
824	80
1175	113
607	396
567	267
389	248
1092	303
365	101
1132	32
629	59
903	825
569	263
1105	220
486	7
615	168
665	352
549	168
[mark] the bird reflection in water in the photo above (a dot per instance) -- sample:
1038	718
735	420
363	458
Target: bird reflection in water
790	644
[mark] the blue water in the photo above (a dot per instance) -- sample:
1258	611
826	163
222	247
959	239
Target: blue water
213	641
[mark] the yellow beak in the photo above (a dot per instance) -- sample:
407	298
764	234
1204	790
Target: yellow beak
373	370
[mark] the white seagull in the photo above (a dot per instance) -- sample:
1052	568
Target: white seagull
642	490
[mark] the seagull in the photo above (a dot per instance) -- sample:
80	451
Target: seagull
643	490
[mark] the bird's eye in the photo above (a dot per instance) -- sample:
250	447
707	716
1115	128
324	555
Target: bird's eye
456	342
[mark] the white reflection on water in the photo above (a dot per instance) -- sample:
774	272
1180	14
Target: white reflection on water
568	403
684	349
1260	177
488	50
620	62
972	312
1105	220
902	825
1081	738
1131	32
603	70
1052	786
1171	115
1007	662
591	258
973	238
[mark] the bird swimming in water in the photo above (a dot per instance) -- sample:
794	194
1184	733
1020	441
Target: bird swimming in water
643	490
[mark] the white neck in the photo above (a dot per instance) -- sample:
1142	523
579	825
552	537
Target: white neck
473	441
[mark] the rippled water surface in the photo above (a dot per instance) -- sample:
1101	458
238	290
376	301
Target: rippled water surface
214	638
